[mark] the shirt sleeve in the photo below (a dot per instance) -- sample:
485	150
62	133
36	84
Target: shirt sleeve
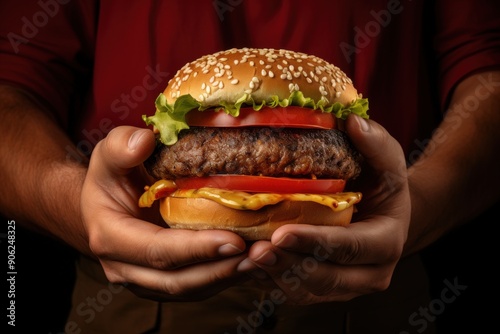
46	48
467	40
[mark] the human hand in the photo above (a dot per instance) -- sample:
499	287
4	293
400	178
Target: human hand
133	245
313	264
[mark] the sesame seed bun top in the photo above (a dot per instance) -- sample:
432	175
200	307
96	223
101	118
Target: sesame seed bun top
260	73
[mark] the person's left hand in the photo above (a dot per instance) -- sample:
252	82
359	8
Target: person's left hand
312	264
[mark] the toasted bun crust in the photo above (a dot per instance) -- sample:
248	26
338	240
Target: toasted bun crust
229	75
202	214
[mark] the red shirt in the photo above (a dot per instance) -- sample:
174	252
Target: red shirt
98	65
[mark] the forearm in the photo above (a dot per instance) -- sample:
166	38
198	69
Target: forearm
40	186
456	177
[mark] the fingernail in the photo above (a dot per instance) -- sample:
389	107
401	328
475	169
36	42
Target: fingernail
134	139
245	266
288	241
267	259
229	249
363	123
248	267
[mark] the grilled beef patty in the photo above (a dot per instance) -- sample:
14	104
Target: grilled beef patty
277	152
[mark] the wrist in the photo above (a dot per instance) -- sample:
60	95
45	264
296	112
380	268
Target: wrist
58	203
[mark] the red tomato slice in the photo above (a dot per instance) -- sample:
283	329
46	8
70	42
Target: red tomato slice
261	184
291	116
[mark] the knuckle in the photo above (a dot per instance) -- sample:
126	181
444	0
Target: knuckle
98	245
383	284
113	277
173	288
159	260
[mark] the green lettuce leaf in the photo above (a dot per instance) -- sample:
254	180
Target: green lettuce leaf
171	119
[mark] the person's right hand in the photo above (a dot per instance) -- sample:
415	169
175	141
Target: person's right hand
133	245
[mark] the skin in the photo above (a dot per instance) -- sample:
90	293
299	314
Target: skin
93	207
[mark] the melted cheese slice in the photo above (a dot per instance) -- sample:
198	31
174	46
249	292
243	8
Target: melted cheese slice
244	201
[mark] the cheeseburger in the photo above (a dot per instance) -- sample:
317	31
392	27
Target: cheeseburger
251	139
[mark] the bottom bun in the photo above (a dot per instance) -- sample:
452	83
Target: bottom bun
204	214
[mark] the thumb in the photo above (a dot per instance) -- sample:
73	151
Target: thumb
380	150
124	148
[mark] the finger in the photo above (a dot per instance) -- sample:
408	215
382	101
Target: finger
188	283
116	168
144	244
380	150
361	243
124	148
313	279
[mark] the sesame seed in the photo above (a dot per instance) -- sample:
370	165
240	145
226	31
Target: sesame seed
289	66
